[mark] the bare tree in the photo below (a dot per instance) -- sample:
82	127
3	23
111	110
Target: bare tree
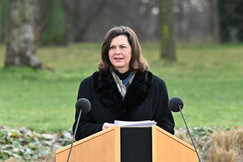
167	30
20	44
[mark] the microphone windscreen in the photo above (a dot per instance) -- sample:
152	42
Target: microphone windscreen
83	104
174	104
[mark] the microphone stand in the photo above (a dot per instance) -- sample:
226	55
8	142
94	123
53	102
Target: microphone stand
74	134
189	134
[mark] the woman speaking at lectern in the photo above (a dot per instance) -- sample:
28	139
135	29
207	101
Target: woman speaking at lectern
123	88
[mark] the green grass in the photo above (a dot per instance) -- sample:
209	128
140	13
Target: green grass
209	79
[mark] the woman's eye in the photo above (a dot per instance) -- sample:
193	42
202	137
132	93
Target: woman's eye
112	47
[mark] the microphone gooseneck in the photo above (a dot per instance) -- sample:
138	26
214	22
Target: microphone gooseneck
84	105
176	104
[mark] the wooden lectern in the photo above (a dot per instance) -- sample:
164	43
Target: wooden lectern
130	144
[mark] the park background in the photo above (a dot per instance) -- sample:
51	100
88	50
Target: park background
37	103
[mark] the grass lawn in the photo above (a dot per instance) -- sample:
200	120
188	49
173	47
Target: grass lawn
209	79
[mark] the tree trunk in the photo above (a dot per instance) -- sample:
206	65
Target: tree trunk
20	44
4	10
167	30
215	20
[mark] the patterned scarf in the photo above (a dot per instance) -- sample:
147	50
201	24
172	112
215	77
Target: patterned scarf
123	85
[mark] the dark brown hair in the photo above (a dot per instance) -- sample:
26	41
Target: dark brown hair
137	61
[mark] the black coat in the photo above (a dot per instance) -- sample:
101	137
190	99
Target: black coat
146	99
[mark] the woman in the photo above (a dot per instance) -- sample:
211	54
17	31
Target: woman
123	88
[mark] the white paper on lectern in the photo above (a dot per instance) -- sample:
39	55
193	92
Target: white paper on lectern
144	123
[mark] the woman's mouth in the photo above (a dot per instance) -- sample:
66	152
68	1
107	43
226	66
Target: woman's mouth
118	59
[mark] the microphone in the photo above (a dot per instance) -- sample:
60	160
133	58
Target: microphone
84	105
176	104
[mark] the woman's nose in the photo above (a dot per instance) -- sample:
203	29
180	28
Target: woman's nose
117	51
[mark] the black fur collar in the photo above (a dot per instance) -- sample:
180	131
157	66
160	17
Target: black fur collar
107	92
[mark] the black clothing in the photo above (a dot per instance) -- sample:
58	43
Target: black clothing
122	76
146	99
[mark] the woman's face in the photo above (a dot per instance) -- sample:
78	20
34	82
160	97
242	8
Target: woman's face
120	53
